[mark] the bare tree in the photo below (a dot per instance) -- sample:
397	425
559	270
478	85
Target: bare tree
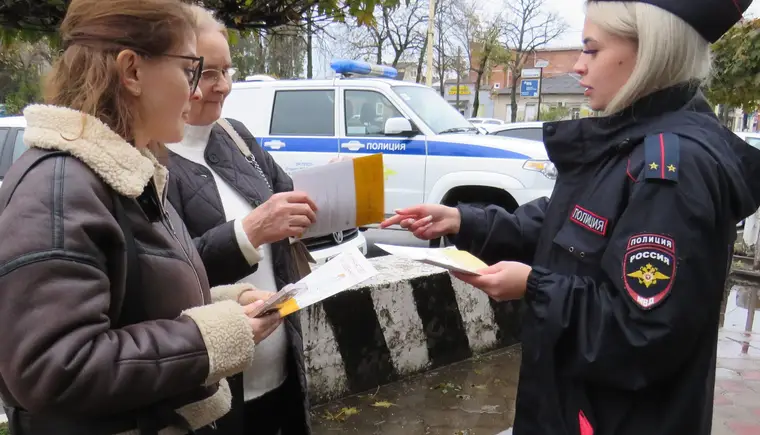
443	45
404	27
465	25
489	52
529	28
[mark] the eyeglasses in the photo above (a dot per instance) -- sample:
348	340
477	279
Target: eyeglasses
193	74
213	75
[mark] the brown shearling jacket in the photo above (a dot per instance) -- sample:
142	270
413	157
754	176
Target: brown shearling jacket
80	352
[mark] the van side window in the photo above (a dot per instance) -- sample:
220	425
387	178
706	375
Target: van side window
366	113
303	113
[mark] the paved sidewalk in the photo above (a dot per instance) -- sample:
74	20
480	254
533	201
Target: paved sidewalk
737	379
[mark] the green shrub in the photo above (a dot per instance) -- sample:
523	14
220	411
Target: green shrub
4	429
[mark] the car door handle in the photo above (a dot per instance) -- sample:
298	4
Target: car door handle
274	144
353	145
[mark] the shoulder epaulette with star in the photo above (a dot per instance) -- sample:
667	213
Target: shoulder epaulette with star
661	152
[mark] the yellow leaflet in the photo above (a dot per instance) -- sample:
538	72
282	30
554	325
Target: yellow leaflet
369	179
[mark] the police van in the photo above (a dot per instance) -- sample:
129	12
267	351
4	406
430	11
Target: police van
431	153
321	248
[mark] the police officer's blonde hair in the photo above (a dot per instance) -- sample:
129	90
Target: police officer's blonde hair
205	21
669	50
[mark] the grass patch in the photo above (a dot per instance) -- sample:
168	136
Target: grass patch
4	429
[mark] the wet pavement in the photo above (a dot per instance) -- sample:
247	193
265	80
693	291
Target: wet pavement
476	397
472	397
737	383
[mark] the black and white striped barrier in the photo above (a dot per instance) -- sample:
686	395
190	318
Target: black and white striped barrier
410	318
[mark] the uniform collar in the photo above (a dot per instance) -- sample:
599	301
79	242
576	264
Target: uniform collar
585	140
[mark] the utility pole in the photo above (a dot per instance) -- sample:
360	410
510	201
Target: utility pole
430	42
459	73
540	85
540	64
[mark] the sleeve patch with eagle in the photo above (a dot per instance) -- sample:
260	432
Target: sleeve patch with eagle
649	269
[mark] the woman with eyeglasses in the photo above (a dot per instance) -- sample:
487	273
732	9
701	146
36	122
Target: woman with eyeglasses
236	200
107	319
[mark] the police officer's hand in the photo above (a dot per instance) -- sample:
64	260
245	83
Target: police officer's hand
427	221
263	326
286	214
503	281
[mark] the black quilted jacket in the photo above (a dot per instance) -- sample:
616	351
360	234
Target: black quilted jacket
193	193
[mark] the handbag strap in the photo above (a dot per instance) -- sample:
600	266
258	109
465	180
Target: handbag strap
243	147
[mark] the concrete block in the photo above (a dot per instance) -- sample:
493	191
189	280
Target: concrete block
409	319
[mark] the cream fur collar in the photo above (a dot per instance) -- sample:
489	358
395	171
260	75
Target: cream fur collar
118	163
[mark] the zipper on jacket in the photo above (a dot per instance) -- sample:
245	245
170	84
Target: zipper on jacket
166	221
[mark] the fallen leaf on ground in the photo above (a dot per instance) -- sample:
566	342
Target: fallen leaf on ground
340	416
446	387
383	404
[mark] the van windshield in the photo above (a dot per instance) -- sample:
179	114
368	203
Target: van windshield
439	115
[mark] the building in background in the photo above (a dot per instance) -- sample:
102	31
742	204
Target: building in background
560	88
407	72
466	103
561	97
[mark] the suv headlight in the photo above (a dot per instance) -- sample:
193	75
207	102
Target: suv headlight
543	166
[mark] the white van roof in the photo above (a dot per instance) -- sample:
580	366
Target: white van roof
13	121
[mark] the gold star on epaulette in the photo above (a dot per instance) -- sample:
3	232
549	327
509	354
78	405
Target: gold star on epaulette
671	168
653	165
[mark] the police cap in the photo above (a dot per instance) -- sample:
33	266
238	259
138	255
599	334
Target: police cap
711	18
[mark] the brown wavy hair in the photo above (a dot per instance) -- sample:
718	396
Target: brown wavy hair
85	77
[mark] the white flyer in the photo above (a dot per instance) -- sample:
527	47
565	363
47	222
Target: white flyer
346	270
447	258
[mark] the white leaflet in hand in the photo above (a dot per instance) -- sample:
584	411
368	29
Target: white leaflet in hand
447	258
346	270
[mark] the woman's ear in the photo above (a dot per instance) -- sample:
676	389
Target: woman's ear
129	63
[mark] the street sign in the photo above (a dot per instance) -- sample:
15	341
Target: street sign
530	73
529	88
540	63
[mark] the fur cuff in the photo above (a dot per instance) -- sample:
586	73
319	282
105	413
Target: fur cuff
228	337
200	414
230	292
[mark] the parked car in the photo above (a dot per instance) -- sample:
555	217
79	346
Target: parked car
485	125
321	248
431	153
520	130
11	141
751	138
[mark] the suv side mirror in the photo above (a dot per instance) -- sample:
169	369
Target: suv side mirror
399	126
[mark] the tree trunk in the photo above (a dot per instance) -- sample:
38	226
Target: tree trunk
421	60
513	98
476	102
309	47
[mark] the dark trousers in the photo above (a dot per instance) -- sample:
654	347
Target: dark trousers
279	412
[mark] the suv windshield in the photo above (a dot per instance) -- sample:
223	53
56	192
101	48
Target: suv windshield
439	115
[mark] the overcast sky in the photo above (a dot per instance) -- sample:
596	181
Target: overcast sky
570	10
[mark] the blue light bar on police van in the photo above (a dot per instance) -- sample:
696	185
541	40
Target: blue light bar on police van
346	67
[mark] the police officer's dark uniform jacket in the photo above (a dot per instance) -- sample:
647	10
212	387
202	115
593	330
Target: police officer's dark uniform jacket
630	256
629	260
194	194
